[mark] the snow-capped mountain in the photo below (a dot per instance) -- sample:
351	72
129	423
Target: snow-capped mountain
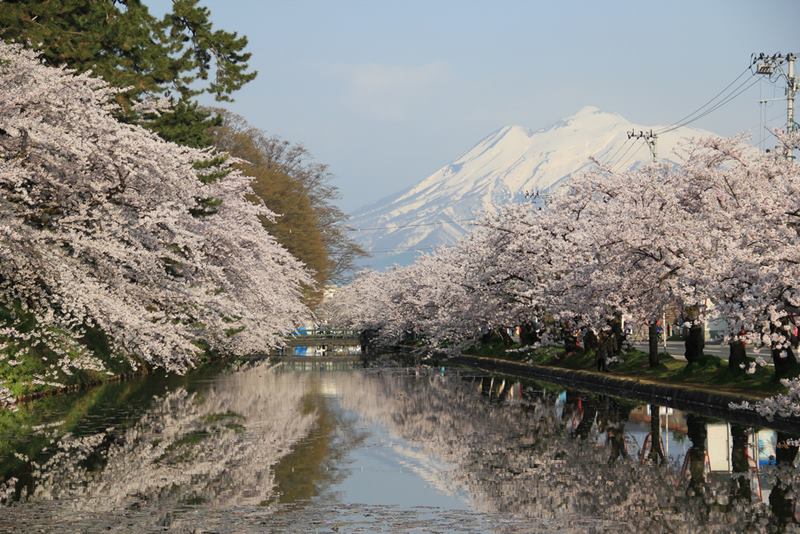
500	169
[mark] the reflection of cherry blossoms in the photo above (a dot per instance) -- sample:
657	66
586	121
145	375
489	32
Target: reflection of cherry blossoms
517	460
216	447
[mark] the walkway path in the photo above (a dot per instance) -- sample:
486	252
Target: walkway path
677	349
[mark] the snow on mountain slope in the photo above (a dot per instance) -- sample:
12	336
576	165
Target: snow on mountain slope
500	169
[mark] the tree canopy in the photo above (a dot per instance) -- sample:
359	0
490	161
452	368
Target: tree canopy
290	183
106	227
721	229
176	57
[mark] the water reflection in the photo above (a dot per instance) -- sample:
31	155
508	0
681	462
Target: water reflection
323	351
567	456
216	447
310	444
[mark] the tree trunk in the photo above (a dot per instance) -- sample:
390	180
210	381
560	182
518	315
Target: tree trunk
617	334
587	421
785	366
656	454
486	337
502	395
570	341
737	360
590	341
486	386
740	483
503	333
363	340
781	499
613	418
652	338
696	429
528	334
695	342
603	352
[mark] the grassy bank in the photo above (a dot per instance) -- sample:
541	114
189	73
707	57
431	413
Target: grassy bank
711	373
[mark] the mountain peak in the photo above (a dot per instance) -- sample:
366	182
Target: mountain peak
592	114
587	110
498	170
514	128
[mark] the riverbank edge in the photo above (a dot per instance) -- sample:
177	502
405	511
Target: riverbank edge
83	386
695	399
142	371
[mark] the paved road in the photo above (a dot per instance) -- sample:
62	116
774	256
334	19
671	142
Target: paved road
677	349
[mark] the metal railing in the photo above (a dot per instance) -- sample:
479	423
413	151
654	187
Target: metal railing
327	333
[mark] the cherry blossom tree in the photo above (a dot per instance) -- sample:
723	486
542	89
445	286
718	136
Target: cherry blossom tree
104	227
747	203
720	228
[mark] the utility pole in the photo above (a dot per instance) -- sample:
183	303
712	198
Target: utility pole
770	66
791	90
649	137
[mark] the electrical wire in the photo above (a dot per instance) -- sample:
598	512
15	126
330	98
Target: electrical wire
741	88
625	163
709	101
635	142
608	162
695	115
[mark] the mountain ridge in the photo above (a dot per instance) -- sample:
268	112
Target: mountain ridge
501	168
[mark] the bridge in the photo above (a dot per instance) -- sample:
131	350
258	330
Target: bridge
322	344
323	337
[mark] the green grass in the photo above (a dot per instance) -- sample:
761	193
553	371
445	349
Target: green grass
711	373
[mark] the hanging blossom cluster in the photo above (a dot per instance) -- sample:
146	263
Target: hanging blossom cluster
104	227
721	228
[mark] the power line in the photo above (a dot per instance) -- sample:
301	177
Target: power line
698	113
745	71
649	137
738	91
625	163
635	142
608	162
773	65
613	163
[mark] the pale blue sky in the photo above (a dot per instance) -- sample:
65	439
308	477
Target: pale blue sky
386	92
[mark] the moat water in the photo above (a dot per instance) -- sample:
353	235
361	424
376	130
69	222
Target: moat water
328	447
